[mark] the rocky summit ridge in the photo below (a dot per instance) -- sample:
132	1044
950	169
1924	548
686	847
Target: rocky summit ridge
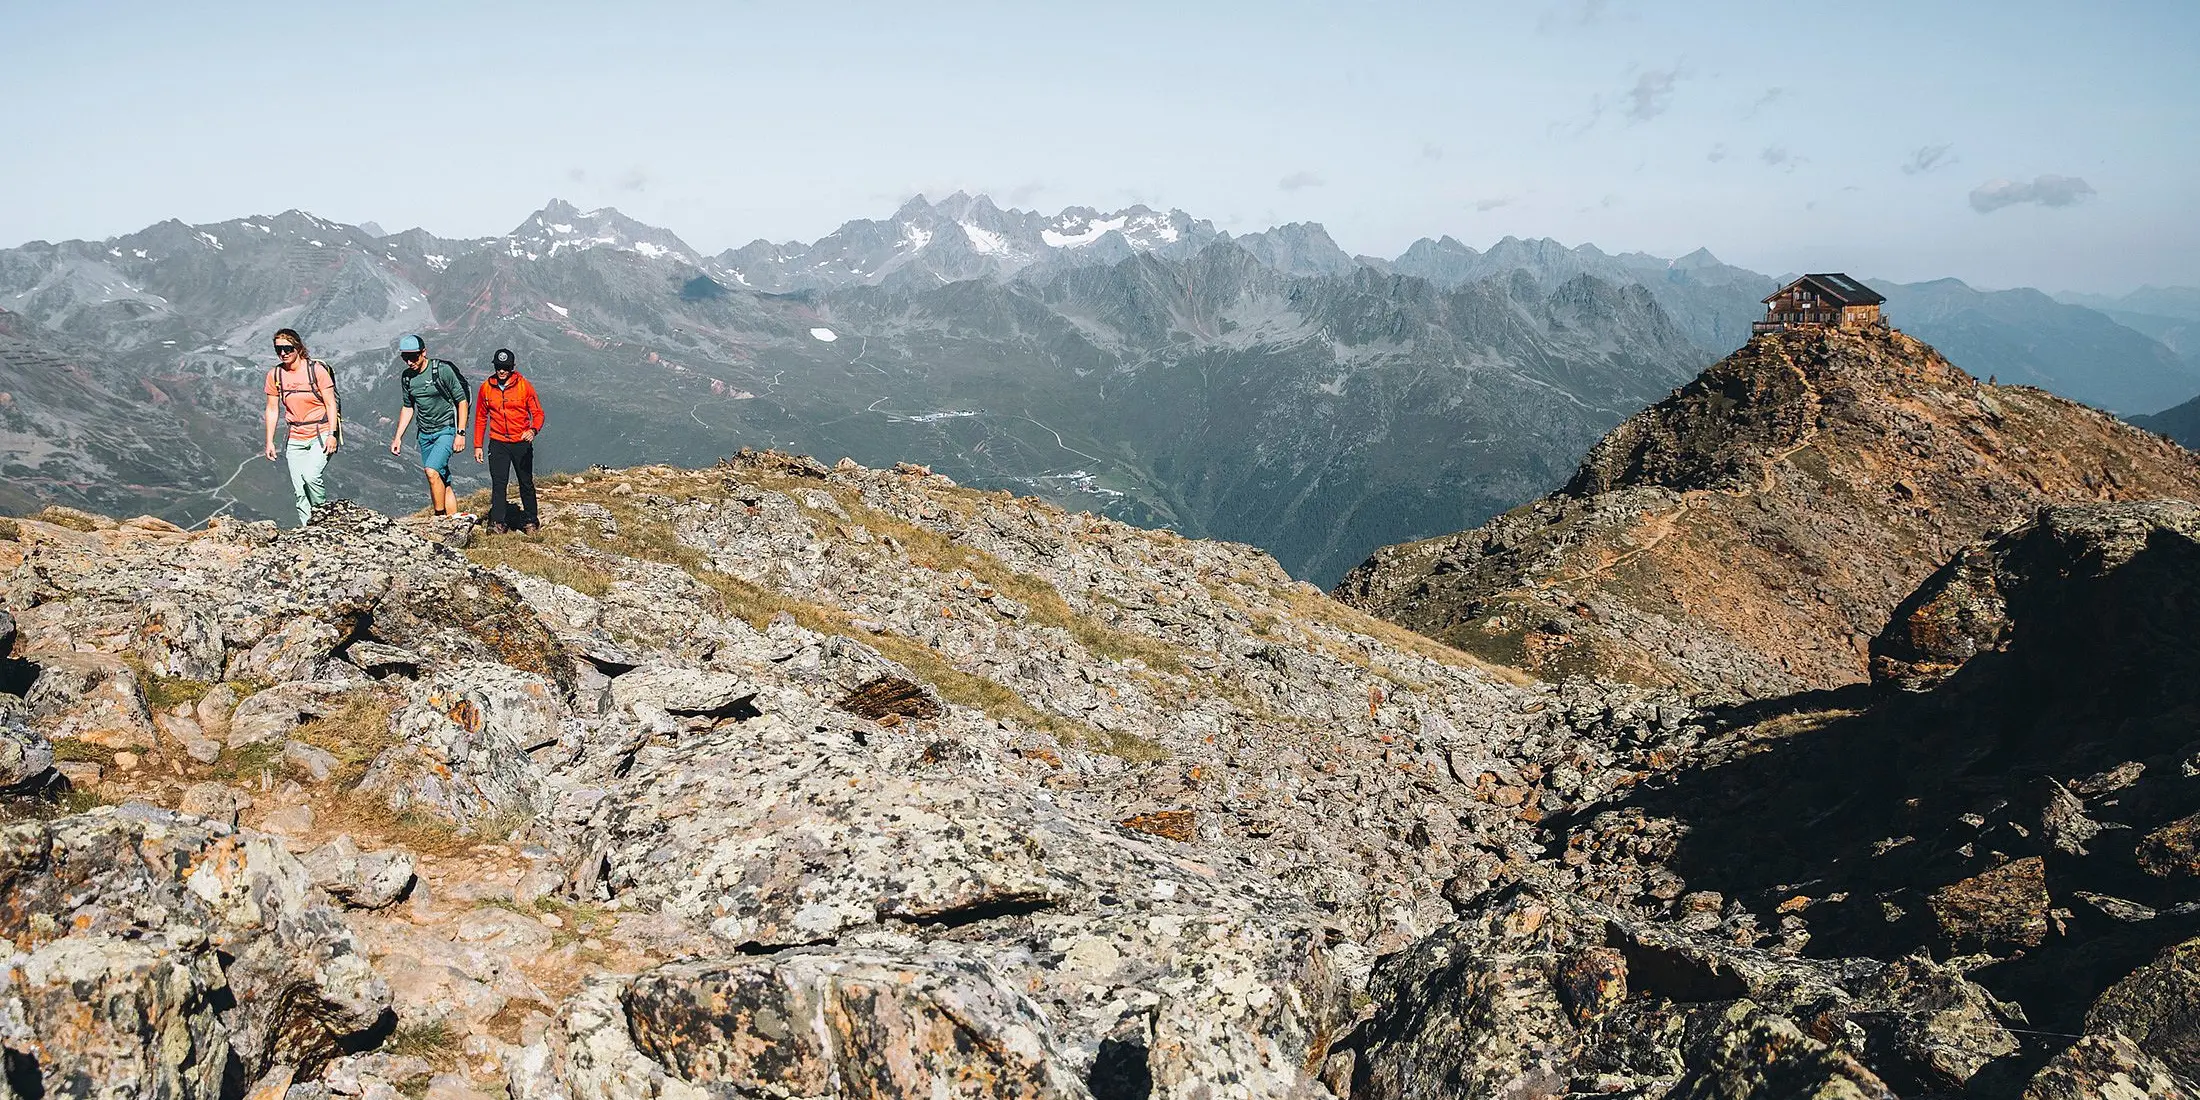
779	779
1750	533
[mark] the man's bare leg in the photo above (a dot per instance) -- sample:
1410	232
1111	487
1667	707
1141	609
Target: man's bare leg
439	495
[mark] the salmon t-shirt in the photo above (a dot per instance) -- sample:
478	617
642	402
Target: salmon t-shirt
302	403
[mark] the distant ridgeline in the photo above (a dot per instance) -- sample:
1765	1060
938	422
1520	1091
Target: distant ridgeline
1267	387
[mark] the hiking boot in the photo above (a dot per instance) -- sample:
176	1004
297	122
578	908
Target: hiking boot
532	528
498	529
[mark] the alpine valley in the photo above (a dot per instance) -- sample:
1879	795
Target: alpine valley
1267	388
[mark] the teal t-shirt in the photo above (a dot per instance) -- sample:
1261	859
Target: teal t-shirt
433	393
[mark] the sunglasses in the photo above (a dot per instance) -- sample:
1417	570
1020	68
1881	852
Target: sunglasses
285	349
408	356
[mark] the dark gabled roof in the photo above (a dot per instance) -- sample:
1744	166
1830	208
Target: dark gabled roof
1836	286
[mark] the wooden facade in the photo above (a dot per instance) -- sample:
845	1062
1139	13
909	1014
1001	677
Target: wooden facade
1824	299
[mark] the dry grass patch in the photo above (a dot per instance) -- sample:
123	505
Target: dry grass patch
69	750
436	1041
1330	613
164	693
70	518
650	538
941	553
526	554
10	531
1780	727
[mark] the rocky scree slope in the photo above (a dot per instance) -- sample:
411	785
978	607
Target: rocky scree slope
781	780
1059	806
1748	534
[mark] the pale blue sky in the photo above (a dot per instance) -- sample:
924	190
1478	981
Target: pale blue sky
1778	139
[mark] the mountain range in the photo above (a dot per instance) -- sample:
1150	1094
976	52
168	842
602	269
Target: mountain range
1267	387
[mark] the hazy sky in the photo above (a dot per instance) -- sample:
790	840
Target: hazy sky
2008	143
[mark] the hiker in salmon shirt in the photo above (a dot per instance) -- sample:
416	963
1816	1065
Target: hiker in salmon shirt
302	392
507	418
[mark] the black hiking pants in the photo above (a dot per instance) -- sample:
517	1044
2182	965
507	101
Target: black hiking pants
506	459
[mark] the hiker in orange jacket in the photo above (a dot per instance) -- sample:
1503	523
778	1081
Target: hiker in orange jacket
507	417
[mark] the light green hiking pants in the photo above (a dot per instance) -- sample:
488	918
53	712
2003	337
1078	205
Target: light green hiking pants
308	461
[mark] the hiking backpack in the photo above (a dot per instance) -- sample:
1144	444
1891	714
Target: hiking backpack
465	390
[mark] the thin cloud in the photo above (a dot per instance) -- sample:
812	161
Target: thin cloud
1777	156
1573	13
2042	190
1432	152
1299	181
1652	94
1927	158
635	179
1771	96
1717	153
1024	192
1484	206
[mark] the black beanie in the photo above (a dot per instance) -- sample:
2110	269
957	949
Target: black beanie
503	358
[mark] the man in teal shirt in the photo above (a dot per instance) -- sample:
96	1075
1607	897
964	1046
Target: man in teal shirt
435	401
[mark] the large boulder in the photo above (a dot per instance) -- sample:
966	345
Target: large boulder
2107	1067
100	1015
274	714
812	1024
2157	1007
1750	1054
26	757
467	747
234	946
180	640
92	697
2113	577
1537	991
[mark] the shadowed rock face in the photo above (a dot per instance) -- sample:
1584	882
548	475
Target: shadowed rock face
2018	791
1749	533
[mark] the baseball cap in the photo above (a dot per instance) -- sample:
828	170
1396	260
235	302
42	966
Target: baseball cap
411	342
502	359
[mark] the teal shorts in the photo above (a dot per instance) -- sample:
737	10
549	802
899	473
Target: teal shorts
435	451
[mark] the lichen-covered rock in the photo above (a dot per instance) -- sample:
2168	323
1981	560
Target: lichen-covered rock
846	1024
101	1016
2107	1067
764	834
26	757
1537	992
297	987
362	880
467	744
681	691
1998	909
92	697
2157	1007
180	641
1751	1054
274	714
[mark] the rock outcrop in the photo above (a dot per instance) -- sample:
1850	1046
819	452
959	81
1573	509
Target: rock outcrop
786	780
1746	536
873	748
2020	802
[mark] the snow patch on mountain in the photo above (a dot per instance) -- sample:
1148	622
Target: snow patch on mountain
986	241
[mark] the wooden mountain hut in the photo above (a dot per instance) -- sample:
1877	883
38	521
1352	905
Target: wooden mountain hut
1825	299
